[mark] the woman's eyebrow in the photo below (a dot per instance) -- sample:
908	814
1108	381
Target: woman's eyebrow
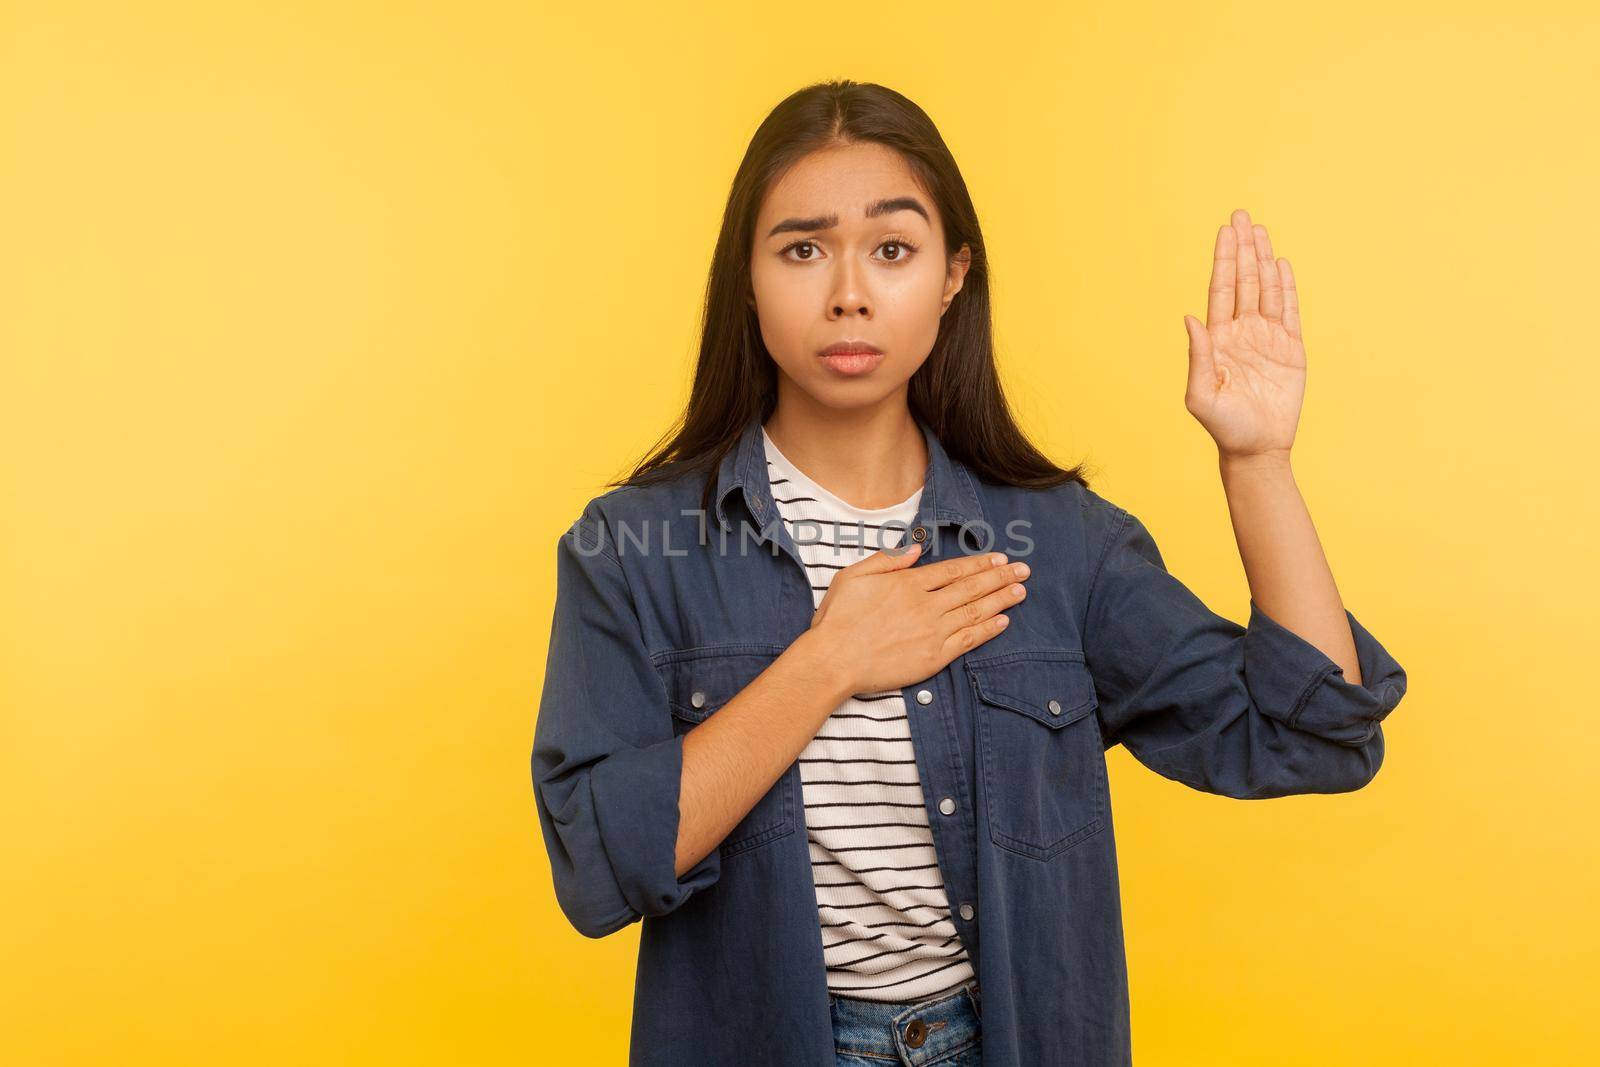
874	209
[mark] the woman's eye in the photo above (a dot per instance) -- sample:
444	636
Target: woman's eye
806	251
903	250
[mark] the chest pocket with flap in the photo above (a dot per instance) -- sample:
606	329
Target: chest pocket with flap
1040	747
700	681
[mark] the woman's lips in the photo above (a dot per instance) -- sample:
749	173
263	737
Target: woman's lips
851	364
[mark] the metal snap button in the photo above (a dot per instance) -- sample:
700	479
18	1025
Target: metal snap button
966	911
1055	707
698	699
947	805
916	1033
919	534
924	696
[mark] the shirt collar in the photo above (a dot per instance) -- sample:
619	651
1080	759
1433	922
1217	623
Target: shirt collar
948	494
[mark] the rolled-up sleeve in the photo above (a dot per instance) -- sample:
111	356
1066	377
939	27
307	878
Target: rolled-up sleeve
1250	711
607	763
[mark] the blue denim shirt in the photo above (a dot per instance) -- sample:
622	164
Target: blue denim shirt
664	613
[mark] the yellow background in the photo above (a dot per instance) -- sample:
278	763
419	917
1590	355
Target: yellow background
320	322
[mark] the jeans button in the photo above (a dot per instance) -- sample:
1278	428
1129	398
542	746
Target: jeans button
948	806
916	1033
924	696
966	911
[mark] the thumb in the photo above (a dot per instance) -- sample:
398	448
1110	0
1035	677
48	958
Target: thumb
886	559
1202	368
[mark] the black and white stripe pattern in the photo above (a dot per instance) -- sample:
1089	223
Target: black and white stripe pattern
886	928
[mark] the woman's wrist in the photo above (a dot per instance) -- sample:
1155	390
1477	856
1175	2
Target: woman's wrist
1255	467
821	659
1269	460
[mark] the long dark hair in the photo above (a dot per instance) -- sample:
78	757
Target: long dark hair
956	391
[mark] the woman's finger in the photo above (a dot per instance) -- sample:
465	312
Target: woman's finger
1291	300
891	558
973	586
1224	267
938	575
1271	286
1247	300
970	637
1202	361
974	612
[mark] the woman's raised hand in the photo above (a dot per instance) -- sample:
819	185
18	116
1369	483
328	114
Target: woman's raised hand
1247	365
888	624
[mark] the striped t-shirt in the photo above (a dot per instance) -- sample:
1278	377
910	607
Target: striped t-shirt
886	928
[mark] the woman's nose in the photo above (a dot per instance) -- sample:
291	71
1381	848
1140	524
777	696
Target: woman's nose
849	293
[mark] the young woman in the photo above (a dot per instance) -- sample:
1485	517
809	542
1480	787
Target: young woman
833	672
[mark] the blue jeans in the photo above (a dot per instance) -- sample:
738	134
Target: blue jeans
946	1031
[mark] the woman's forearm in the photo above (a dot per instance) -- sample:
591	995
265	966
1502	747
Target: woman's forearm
1288	573
735	756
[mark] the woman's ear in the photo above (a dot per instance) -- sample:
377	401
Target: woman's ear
955	275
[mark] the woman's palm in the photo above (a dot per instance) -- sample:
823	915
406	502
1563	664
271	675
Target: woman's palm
1247	364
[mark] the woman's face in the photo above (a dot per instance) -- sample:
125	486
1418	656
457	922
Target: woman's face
848	249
